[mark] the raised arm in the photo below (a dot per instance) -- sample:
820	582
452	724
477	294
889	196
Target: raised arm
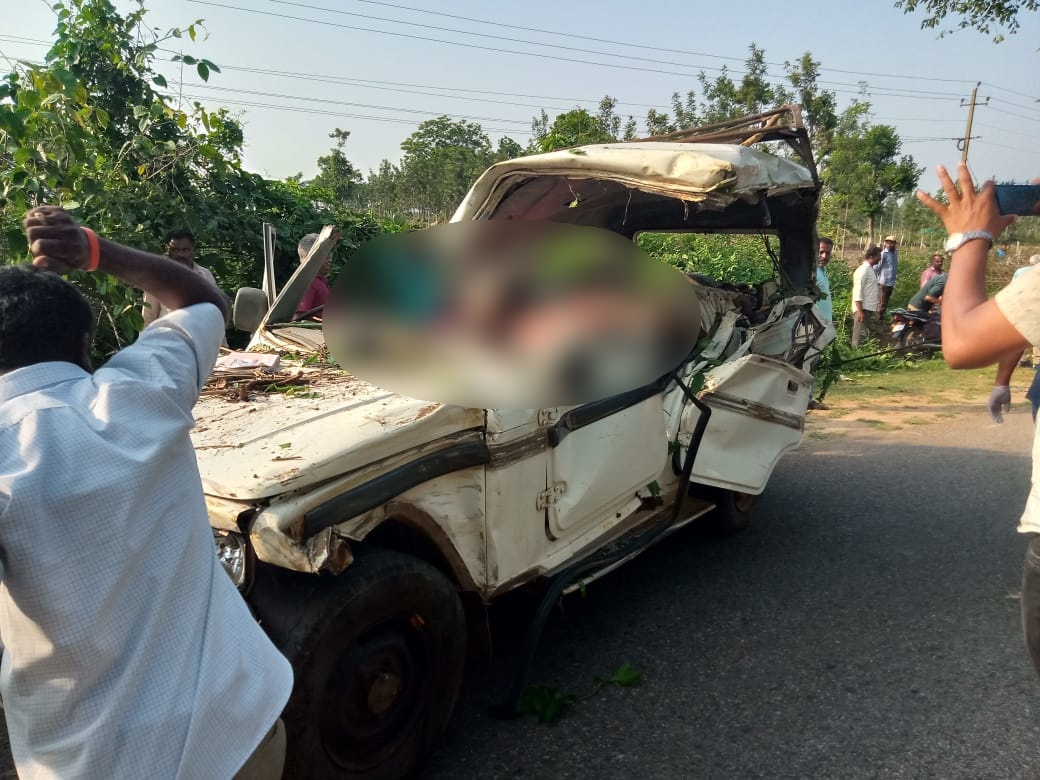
975	332
59	244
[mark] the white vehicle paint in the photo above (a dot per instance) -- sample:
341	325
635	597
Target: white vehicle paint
499	497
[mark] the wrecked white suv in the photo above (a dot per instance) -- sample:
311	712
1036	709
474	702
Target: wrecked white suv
357	522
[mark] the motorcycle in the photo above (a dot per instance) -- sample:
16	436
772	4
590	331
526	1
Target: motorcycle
914	328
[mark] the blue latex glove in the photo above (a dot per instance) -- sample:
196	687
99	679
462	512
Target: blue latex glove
999	399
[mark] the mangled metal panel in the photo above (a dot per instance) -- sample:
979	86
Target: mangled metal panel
687	171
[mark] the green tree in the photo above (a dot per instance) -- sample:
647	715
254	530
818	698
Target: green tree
441	160
578	127
337	174
986	16
819	106
723	98
865	166
508	149
93	129
657	122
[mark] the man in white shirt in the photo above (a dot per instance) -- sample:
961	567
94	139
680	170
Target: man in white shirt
128	650
978	331
865	300
180	246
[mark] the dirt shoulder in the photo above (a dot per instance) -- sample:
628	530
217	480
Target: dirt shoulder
925	402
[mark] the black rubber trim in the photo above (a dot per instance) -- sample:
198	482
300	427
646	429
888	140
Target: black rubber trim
598	410
385	487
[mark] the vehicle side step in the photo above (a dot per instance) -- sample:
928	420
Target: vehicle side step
697	508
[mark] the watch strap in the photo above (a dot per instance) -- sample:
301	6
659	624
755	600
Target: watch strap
957	240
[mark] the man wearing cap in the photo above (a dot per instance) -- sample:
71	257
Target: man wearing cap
886	273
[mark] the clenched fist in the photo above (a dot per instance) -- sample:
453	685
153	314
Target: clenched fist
56	241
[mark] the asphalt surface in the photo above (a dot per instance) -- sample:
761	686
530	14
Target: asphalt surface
866	626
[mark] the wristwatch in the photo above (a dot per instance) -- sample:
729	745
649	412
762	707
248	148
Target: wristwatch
957	240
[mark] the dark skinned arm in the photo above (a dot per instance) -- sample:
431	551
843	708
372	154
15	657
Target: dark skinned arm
58	244
975	332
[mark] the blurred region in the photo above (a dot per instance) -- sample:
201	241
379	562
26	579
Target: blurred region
500	314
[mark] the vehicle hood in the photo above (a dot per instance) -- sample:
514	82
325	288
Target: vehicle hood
696	172
276	442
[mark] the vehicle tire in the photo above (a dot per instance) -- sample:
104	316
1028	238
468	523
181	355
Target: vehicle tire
732	513
376	678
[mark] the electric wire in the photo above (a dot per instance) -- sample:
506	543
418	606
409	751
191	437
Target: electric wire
500	50
602	40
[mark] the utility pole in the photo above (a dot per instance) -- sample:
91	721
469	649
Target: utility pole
963	144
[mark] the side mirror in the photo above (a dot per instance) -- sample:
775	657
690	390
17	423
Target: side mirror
250	309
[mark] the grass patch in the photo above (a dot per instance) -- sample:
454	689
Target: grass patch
916	383
836	413
821	435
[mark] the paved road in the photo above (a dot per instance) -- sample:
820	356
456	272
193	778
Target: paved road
865	627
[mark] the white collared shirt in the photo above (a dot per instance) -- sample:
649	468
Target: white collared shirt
865	287
128	651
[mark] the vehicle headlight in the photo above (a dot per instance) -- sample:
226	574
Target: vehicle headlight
233	554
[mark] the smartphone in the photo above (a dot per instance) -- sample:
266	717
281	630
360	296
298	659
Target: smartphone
1020	199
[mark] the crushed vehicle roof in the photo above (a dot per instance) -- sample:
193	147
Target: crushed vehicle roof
688	171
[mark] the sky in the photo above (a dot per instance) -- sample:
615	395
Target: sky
295	71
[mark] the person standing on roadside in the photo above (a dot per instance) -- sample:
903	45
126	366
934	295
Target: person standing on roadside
825	304
823	280
865	296
128	651
180	246
978	331
932	270
886	271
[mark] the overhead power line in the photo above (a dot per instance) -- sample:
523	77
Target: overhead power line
320	112
1018	116
358	105
875	92
612	42
1012	92
539	55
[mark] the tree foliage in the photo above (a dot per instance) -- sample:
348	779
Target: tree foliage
94	129
440	162
986	16
337	175
578	127
865	167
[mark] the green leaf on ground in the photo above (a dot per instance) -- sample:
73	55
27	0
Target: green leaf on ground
547	703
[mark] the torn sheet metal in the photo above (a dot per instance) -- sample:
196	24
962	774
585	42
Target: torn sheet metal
687	171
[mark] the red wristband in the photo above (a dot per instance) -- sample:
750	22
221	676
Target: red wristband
95	249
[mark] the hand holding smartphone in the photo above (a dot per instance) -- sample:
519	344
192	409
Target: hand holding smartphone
1020	199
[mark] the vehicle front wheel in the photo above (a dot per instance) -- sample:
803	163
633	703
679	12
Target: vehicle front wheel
377	677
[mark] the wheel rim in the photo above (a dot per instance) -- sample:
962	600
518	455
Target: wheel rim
373	693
